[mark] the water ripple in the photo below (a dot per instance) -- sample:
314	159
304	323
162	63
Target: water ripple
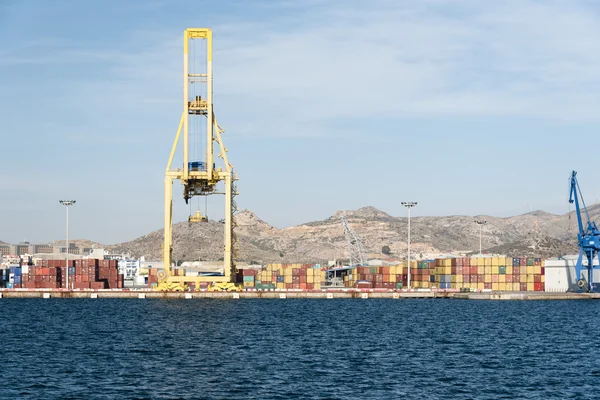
301	349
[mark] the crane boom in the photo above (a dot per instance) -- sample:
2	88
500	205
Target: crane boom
588	238
355	246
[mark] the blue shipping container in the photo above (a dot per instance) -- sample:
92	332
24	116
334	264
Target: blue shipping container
17	279
18	271
9	285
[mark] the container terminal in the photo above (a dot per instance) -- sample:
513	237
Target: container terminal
97	275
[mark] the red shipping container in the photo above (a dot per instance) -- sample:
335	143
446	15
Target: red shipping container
487	285
522	262
537	279
537	286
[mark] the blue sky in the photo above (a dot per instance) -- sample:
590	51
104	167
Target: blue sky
467	107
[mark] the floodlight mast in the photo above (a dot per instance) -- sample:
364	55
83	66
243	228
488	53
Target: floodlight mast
67	204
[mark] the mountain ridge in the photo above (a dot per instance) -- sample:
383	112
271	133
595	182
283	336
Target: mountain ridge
320	241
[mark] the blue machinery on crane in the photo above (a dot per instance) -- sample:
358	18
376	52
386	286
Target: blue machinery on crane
588	239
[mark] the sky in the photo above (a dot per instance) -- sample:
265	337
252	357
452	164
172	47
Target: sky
467	107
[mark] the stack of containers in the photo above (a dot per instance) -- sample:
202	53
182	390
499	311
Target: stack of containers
384	277
421	273
83	274
14	276
284	276
495	273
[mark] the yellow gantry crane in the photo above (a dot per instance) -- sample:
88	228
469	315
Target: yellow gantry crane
198	174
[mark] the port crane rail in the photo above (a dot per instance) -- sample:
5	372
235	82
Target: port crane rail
588	238
199	178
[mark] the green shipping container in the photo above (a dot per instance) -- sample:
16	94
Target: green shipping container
530	262
265	286
398	285
502	270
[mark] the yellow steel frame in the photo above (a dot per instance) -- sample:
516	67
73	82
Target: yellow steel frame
198	182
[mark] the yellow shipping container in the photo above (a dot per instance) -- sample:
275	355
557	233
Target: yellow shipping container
509	270
501	286
311	278
480	285
280	285
480	261
537	269
543	278
495	261
393	278
530	270
287	272
248	284
480	270
287	279
317	286
487	261
495	286
516	287
495	270
529	279
523	278
393	270
487	270
447	262
447	270
487	278
530	287
502	279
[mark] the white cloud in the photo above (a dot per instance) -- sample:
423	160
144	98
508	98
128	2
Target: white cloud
299	72
519	58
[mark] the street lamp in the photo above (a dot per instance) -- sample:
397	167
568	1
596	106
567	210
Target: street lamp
409	205
481	223
67	204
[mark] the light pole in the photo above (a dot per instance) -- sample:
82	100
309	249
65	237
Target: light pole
409	205
67	204
481	223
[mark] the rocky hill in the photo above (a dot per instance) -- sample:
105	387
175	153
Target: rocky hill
537	233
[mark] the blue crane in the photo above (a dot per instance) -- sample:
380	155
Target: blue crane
588	239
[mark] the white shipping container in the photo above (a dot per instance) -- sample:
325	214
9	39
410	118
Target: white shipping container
560	274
